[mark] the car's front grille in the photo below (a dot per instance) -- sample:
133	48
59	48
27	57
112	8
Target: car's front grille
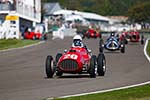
112	44
68	65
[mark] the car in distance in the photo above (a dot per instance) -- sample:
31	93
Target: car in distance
133	36
112	43
91	33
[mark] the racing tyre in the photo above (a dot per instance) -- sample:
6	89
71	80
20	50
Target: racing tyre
100	35
92	67
58	72
101	64
100	45
83	35
45	36
122	47
58	57
34	38
142	39
49	67
88	35
125	41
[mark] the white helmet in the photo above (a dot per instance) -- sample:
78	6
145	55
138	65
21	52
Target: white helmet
77	37
29	29
77	41
90	27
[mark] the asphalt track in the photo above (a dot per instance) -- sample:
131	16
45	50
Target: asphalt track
22	71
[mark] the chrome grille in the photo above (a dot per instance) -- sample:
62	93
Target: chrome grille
68	65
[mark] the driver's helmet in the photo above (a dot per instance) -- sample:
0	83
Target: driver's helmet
29	29
124	30
77	41
112	34
90	27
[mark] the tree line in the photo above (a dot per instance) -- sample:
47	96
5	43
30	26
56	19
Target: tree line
136	10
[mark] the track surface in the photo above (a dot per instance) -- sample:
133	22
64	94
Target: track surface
22	72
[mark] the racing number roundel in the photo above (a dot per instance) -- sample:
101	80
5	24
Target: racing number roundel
72	56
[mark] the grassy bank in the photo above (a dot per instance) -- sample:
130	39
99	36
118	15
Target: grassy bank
135	93
148	48
14	43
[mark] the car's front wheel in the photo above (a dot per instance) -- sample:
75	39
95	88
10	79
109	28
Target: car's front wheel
50	69
92	67
101	64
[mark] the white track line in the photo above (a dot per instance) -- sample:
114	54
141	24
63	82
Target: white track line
145	47
22	47
102	91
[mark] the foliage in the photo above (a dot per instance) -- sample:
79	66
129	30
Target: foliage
102	7
136	10
140	12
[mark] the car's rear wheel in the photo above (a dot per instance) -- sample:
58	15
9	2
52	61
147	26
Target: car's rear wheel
100	45
92	67
50	69
88	35
101	64
100	35
122	47
58	72
142	39
34	37
58	57
125	40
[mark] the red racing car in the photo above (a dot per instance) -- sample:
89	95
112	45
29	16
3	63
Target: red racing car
75	61
133	36
32	35
91	33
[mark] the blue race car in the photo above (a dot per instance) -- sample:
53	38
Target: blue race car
112	44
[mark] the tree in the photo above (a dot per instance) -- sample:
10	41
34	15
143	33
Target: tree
139	13
102	7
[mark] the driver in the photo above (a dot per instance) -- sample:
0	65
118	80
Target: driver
112	36
77	42
91	30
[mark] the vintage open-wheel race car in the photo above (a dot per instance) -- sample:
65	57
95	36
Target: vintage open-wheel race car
76	60
133	36
113	43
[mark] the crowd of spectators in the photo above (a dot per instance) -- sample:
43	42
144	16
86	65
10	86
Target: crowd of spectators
145	26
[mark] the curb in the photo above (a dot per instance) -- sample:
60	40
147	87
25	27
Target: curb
22	47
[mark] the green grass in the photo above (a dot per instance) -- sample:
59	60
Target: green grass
135	93
14	43
148	48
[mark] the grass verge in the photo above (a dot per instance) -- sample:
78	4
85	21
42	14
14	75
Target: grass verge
135	93
14	43
148	48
